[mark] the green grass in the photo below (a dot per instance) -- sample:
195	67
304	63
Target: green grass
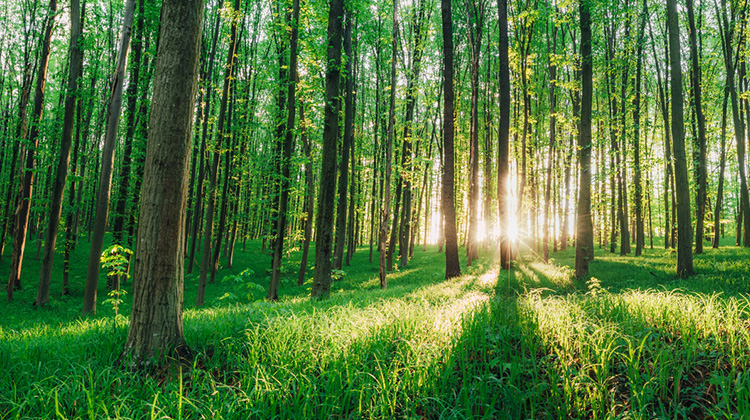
632	342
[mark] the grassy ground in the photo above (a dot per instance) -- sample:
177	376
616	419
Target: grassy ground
633	342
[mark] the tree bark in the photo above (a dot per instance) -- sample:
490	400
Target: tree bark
699	147
452	264
273	289
156	319
27	172
503	161
53	220
321	288
584	227
221	132
108	157
684	228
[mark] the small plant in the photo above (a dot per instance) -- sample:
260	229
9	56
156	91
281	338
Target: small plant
243	287
337	275
116	260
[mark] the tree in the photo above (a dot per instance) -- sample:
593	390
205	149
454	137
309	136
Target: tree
684	227
156	320
452	265
273	289
108	156
53	220
503	160
321	287
584	226
27	172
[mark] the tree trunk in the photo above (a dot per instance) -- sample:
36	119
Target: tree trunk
699	147
684	228
309	194
475	18
156	319
584	227
288	148
503	162
552	131
321	287
220	134
722	166
346	146
27	172
452	264
639	228
53	220
108	157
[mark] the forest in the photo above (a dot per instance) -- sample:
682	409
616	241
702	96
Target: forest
374	209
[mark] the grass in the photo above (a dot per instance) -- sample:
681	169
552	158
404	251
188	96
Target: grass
632	342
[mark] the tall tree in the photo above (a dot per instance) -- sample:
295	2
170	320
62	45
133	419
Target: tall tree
503	161
452	264
584	226
699	148
273	289
156	319
21	221
108	157
321	287
221	133
347	144
475	19
386	211
53	220
684	227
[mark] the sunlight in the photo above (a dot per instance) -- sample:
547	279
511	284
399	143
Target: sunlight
513	228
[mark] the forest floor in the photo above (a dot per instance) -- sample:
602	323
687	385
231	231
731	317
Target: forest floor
633	342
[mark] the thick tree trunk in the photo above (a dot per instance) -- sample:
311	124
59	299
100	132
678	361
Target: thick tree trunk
584	227
321	287
55	209
156	319
108	157
684	228
452	264
27	172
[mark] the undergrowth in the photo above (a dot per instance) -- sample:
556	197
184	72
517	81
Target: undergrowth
631	342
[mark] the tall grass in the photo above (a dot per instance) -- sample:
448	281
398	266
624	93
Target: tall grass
632	342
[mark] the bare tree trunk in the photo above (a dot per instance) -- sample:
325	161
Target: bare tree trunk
156	319
452	264
53	220
288	148
108	157
220	134
309	194
552	132
699	147
722	166
584	227
684	228
27	172
321	287
503	161
639	229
